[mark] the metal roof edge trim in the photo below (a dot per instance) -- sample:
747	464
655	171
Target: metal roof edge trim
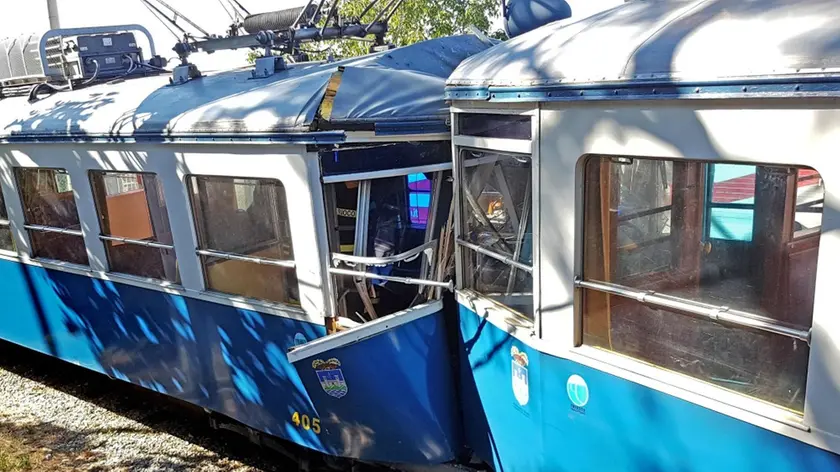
654	89
322	137
397	128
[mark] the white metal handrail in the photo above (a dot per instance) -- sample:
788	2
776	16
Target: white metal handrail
53	229
238	257
137	242
406	256
498	257
403	280
723	314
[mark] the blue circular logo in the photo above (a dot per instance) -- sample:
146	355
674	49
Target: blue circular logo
578	391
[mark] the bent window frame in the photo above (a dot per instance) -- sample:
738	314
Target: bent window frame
503	145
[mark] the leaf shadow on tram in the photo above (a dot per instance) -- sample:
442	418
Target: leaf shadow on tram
667	125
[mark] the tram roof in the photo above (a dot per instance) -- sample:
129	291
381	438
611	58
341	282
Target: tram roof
404	85
665	41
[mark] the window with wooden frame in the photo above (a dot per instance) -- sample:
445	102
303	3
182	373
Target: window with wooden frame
134	224
50	215
244	236
669	281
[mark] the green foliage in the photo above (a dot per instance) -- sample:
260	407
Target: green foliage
253	56
14	462
419	20
414	21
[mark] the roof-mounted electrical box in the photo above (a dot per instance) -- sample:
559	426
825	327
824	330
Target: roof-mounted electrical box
74	54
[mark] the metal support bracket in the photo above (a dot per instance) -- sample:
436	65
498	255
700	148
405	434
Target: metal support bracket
267	66
184	73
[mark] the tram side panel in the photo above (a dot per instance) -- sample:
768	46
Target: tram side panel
384	392
499	377
580	418
226	359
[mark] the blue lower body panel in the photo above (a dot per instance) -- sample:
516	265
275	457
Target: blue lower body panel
528	411
229	360
388	397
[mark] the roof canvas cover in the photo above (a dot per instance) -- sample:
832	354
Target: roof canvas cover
404	84
672	40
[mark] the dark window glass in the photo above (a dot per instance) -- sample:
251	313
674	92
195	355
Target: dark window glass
132	206
494	126
722	235
496	214
6	242
47	197
245	217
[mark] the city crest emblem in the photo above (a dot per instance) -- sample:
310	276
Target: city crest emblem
519	375
331	378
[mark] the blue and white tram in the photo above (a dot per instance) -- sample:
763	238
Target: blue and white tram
186	237
646	235
635	212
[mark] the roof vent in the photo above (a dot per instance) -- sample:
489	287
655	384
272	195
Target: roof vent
522	16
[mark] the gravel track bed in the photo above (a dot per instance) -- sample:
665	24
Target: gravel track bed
66	418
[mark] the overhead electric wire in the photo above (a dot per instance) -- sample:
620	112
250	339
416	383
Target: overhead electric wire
241	7
229	14
165	20
368	8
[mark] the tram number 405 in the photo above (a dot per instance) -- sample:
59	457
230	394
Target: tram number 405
307	423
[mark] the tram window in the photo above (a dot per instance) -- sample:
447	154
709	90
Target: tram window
6	242
134	224
706	266
244	236
494	126
50	215
496	227
419	199
810	193
731	201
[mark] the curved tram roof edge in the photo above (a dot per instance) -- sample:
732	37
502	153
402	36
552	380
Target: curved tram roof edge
665	49
397	92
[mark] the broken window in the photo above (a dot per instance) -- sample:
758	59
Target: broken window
497	229
386	243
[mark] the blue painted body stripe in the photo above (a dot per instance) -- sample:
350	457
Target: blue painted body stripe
233	361
651	90
622	426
